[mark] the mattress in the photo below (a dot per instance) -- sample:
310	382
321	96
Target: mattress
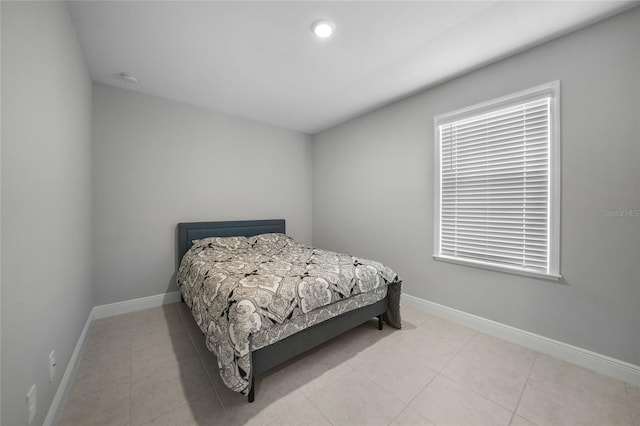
249	292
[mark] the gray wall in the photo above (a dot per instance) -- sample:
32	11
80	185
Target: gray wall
46	200
157	163
373	191
0	215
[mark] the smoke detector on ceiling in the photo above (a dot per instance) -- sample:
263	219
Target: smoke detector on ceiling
128	77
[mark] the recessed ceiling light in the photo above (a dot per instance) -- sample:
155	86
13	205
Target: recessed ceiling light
323	28
128	77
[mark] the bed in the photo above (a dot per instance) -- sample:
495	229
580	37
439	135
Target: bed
250	335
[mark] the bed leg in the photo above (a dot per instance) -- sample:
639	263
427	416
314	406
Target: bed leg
252	392
380	324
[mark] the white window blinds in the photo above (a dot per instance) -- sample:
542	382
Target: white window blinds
494	187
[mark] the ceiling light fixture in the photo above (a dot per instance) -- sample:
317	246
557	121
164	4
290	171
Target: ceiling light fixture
323	28
128	77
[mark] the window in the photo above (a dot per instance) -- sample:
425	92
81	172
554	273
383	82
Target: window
497	184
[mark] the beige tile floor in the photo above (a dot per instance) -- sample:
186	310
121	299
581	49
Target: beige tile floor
151	368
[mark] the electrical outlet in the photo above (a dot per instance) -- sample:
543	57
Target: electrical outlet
52	366
31	403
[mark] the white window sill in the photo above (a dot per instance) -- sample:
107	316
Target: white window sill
497	268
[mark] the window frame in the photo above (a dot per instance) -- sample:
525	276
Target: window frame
551	90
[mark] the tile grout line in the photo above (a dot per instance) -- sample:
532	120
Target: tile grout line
626	392
480	394
131	377
526	382
416	395
398	415
438	372
178	406
103	389
129	354
184	318
313	405
477	393
131	383
206	371
308	398
456	354
131	351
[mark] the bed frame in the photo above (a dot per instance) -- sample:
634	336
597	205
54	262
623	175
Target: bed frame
272	355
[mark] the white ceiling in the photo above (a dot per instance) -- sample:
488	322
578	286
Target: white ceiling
259	60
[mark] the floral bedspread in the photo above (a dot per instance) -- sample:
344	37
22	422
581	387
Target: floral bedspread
238	286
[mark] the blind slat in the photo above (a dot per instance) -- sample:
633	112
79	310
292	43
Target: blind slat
497	135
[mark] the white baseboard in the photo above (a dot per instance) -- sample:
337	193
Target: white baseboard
55	410
603	364
102	311
133	305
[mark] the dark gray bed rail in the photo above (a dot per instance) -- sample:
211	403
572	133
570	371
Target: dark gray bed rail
264	359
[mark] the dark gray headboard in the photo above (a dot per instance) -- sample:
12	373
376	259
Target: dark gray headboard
187	232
